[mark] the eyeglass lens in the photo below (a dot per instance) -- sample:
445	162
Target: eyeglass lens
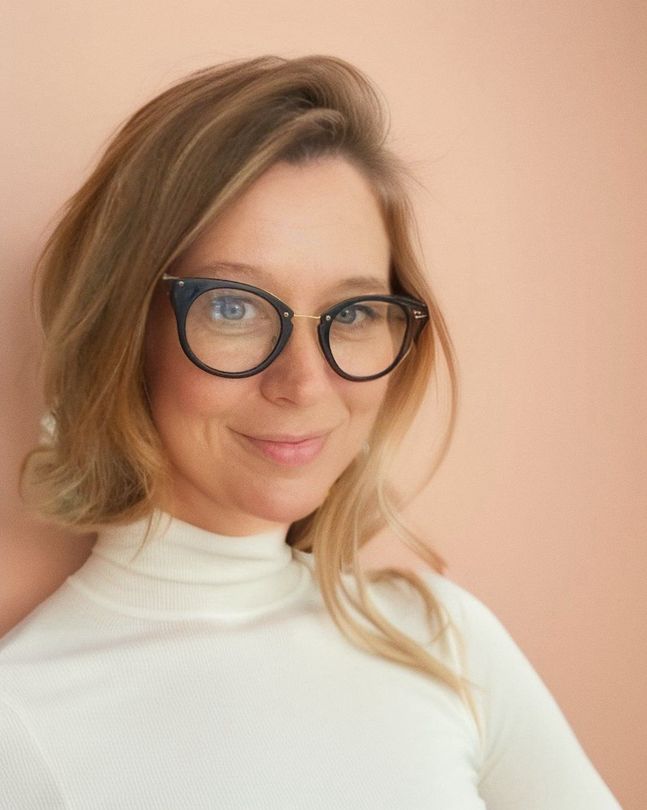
234	331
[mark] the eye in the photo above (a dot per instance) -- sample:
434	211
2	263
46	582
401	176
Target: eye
230	308
356	315
232	312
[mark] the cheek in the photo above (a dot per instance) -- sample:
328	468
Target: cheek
175	386
368	396
189	394
184	399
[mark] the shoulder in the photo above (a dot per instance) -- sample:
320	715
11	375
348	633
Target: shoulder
479	641
26	652
399	601
489	645
48	627
465	610
28	779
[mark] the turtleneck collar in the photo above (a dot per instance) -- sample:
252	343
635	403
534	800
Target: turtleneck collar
183	571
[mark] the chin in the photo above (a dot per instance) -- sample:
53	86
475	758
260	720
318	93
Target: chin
285	507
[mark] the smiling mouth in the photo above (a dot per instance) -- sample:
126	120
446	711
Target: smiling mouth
287	453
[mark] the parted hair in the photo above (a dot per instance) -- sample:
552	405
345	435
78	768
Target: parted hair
167	173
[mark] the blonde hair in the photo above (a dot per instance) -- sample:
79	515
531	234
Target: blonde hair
175	165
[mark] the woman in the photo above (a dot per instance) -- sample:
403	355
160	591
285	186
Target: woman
238	336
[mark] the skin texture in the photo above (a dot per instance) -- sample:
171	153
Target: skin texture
310	227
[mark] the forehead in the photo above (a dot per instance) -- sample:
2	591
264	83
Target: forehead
316	227
264	277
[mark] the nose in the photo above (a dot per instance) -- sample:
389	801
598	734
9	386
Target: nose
303	350
301	370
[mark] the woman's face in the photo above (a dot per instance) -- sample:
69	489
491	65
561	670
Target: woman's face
307	229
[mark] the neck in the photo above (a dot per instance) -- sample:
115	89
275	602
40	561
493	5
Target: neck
181	570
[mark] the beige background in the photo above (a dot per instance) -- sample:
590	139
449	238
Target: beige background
526	122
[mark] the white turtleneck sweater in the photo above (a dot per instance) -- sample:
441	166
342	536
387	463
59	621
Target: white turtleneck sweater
207	673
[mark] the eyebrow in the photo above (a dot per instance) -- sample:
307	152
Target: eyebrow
364	283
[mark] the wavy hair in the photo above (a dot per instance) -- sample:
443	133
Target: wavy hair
169	170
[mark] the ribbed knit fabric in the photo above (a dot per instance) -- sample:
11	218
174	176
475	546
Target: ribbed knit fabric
207	673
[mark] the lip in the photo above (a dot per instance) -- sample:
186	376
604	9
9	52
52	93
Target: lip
288	453
286	438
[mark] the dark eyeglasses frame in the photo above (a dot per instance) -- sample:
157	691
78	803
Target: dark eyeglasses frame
184	291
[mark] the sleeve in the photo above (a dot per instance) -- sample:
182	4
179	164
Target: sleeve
27	783
531	756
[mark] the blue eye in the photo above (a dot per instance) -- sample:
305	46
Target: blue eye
369	314
232	312
229	307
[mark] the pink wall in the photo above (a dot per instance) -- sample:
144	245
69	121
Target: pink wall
527	125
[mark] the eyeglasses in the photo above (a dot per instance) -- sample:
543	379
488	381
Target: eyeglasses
232	329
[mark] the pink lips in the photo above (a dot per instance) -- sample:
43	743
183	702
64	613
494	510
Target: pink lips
290	454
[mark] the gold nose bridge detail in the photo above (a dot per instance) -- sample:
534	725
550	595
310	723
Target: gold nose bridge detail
316	317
